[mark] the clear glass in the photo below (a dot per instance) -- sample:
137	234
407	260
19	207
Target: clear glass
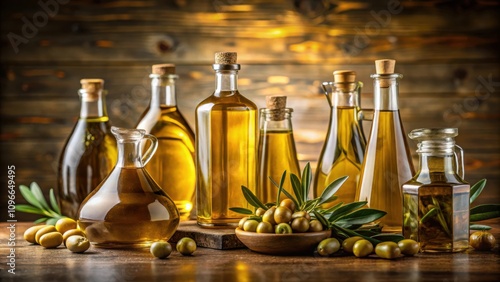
173	165
277	153
88	155
387	163
129	209
345	143
436	199
226	145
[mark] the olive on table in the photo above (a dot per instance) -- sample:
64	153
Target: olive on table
264	227
348	243
362	248
29	234
328	246
408	247
161	249
300	225
315	226
65	224
51	240
77	244
72	232
44	230
282	215
250	225
186	246
387	250
269	216
482	240
288	203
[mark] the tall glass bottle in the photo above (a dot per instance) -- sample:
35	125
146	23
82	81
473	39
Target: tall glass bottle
277	151
226	144
345	143
436	199
90	151
173	165
387	163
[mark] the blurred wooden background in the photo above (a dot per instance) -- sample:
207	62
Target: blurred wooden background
448	52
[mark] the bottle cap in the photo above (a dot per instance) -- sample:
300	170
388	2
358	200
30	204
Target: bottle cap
92	85
344	76
277	107
385	67
163	69
226	58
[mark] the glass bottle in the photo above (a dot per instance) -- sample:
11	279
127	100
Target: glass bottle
173	165
90	151
276	151
129	209
345	143
387	163
436	199
226	144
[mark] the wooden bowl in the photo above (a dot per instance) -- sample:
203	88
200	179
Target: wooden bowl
282	244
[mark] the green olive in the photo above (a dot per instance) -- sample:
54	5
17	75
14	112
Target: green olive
264	227
482	240
362	248
328	247
72	232
269	216
288	203
44	230
315	226
300	225
348	243
29	234
260	212
186	246
301	214
387	250
242	221
51	240
282	215
408	247
65	224
77	244
161	249
283	228
250	225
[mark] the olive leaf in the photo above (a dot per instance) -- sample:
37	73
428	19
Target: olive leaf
476	190
241	210
38	205
483	212
362	216
388	237
479	227
331	189
297	188
53	202
251	198
428	215
345	209
306	181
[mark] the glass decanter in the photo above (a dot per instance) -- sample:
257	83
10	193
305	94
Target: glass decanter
90	151
128	209
277	151
436	199
173	165
345	143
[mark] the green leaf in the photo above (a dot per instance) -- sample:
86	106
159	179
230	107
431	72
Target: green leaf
255	217
52	221
297	188
28	209
367	233
388	237
428	215
251	198
53	201
483	212
479	227
346	209
29	197
351	233
332	208
290	197
331	189
241	210
306	181
40	220
321	219
476	190
332	198
362	216
37	192
280	187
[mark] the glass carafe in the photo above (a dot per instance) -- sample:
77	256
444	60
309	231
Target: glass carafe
345	143
90	151
173	165
277	151
436	199
128	209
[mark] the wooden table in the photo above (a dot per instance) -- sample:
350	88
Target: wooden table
34	263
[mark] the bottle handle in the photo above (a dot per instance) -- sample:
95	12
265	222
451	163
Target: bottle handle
328	88
146	157
459	160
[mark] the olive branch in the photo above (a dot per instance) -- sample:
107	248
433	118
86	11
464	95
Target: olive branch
38	205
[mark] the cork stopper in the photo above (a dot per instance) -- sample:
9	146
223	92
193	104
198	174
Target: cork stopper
385	66
163	69
226	58
344	76
91	88
276	106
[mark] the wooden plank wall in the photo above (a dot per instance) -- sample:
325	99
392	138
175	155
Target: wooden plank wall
446	50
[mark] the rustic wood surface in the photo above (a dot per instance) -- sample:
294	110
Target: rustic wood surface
34	263
446	50
216	238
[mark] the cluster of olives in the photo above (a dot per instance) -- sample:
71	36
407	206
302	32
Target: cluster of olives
161	249
361	247
65	231
283	219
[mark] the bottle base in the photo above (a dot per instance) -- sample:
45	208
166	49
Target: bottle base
139	245
218	224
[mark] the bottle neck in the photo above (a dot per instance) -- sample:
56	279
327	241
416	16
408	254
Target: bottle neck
386	91
276	120
93	104
342	98
225	80
129	154
163	90
438	164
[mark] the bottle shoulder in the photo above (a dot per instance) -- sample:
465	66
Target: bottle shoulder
228	100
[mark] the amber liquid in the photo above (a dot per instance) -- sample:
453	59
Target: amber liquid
226	157
128	210
277	153
386	167
87	158
173	165
342	155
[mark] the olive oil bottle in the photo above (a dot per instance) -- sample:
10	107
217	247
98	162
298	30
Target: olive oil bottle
387	163
226	144
173	165
276	151
344	147
90	151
